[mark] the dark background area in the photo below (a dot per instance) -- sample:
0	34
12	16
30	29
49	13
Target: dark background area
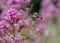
37	5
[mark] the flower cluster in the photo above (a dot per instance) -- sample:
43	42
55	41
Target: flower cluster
18	3
11	24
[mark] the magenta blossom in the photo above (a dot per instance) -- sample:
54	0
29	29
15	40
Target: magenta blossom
12	15
23	23
41	28
18	3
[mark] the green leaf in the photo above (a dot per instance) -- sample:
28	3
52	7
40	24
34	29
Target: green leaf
36	5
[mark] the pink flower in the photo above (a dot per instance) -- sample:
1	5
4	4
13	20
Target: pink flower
50	8
8	26
25	1
17	3
9	2
37	40
18	37
12	15
2	24
45	3
2	40
16	27
2	32
31	35
24	23
23	41
34	37
10	38
56	12
13	3
7	18
46	16
41	28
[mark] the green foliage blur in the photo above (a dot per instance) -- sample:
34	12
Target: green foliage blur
37	5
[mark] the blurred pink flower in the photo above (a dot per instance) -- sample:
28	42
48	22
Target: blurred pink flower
2	40
45	3
37	40
41	28
18	3
23	23
46	16
2	32
10	38
2	24
16	27
12	15
58	3
18	37
14	3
